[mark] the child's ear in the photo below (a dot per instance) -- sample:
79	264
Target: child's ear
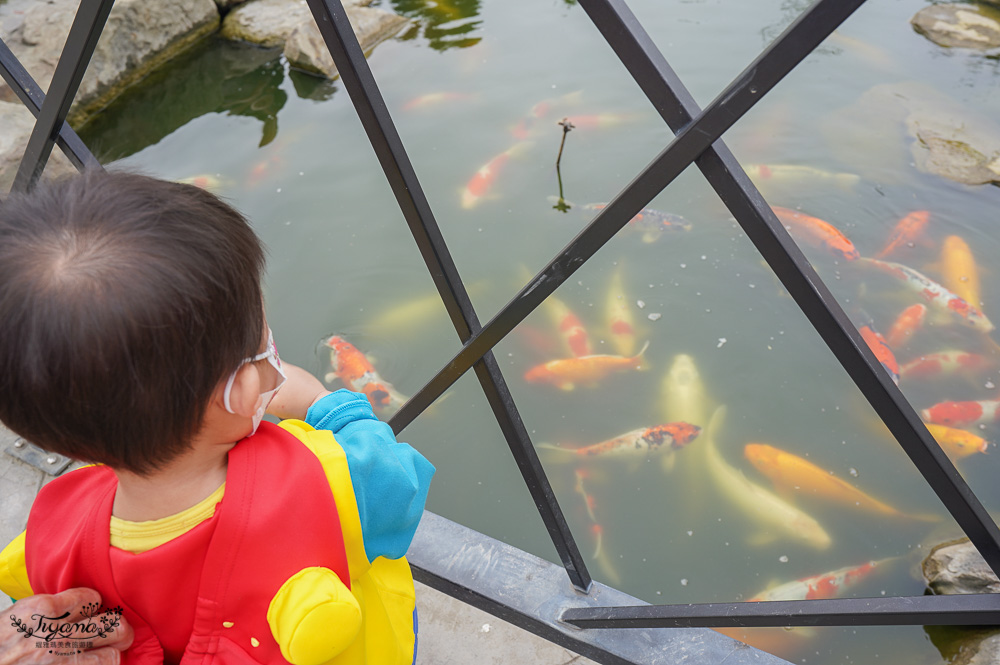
243	395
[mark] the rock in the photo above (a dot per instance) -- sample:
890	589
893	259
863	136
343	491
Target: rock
17	123
306	50
139	36
269	22
966	645
958	567
959	25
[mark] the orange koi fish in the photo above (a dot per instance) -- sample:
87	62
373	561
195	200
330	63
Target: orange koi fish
934	293
621	322
909	321
957	443
357	374
945	362
963	414
817	587
958	268
436	98
570	327
481	183
906	232
882	351
817	233
643	441
524	126
790	473
588	370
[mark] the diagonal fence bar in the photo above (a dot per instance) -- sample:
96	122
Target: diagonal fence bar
739	96
661	85
357	77
958	610
27	90
80	44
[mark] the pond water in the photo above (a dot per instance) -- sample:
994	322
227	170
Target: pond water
471	81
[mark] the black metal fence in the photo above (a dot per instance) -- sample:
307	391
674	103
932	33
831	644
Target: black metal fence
697	133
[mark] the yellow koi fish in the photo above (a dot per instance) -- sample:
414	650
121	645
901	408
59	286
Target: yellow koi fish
773	514
621	322
957	443
958	268
791	473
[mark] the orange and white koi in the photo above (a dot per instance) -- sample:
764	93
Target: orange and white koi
957	443
790	474
935	294
817	587
524	126
963	414
769	511
596	528
621	322
356	373
482	182
570	327
909	321
817	233
882	352
643	442
649	221
565	373
906	232
436	98
958	270
951	361
764	175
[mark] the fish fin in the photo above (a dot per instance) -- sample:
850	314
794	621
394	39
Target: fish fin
552	446
330	377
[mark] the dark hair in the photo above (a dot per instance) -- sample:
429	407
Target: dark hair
124	301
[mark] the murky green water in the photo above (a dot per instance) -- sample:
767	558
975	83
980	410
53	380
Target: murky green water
289	151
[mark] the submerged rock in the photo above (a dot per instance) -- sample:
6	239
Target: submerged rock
138	37
959	25
306	50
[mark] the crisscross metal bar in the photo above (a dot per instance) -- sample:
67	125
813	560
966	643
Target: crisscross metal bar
360	83
80	44
27	90
739	97
646	64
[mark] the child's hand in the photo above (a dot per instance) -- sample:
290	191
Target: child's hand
300	390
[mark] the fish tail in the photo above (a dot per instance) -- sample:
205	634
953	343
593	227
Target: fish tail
640	361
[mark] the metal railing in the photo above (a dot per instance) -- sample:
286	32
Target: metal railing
697	140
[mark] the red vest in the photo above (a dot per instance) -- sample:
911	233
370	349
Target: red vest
277	517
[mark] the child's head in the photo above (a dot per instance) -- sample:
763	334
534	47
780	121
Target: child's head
124	301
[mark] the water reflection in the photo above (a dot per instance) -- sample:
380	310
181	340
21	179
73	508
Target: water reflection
444	24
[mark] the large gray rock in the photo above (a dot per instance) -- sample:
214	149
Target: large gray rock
306	50
268	23
139	36
958	567
17	123
959	25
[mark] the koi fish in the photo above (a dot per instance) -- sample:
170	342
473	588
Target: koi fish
643	442
436	98
957	443
567	372
817	587
481	183
944	362
882	351
682	393
790	473
817	233
649	221
204	180
763	175
595	527
958	268
621	323
538	111
963	414
773	514
909	321
935	294
357	374
906	232
570	327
